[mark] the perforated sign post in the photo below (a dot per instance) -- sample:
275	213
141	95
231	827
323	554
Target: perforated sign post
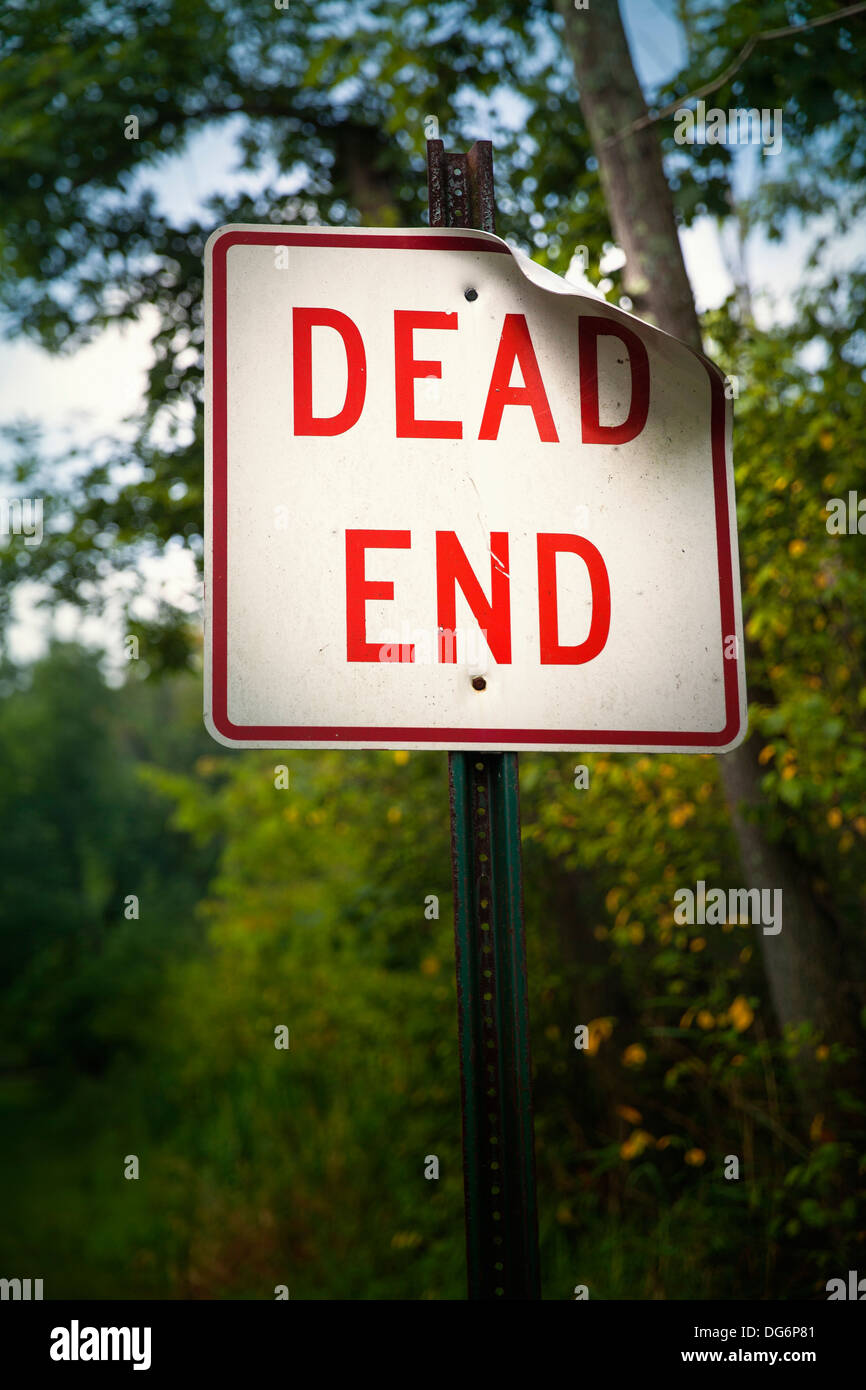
453	503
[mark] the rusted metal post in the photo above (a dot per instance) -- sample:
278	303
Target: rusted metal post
492	999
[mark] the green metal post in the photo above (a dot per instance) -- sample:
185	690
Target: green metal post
492	999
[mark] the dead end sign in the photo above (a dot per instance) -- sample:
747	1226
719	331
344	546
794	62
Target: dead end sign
452	502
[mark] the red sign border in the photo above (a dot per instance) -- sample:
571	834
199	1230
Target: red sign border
393	736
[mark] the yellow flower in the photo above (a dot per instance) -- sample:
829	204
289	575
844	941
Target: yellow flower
789	772
430	966
705	1019
628	1112
664	1141
698	944
598	1029
680	814
822	1052
695	1157
635	1144
825	439
741	1014
394	814
834	818
401	757
766	753
636	933
634	1055
796	547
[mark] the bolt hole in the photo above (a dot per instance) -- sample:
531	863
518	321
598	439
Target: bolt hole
471	295
479	683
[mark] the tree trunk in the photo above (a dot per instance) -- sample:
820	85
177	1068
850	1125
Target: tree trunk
804	963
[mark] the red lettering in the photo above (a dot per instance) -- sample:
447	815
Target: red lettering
359	591
516	345
552	654
452	568
407	368
303	323
589	329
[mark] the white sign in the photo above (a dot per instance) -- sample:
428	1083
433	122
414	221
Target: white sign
453	502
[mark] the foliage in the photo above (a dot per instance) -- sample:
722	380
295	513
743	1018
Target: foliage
305	906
